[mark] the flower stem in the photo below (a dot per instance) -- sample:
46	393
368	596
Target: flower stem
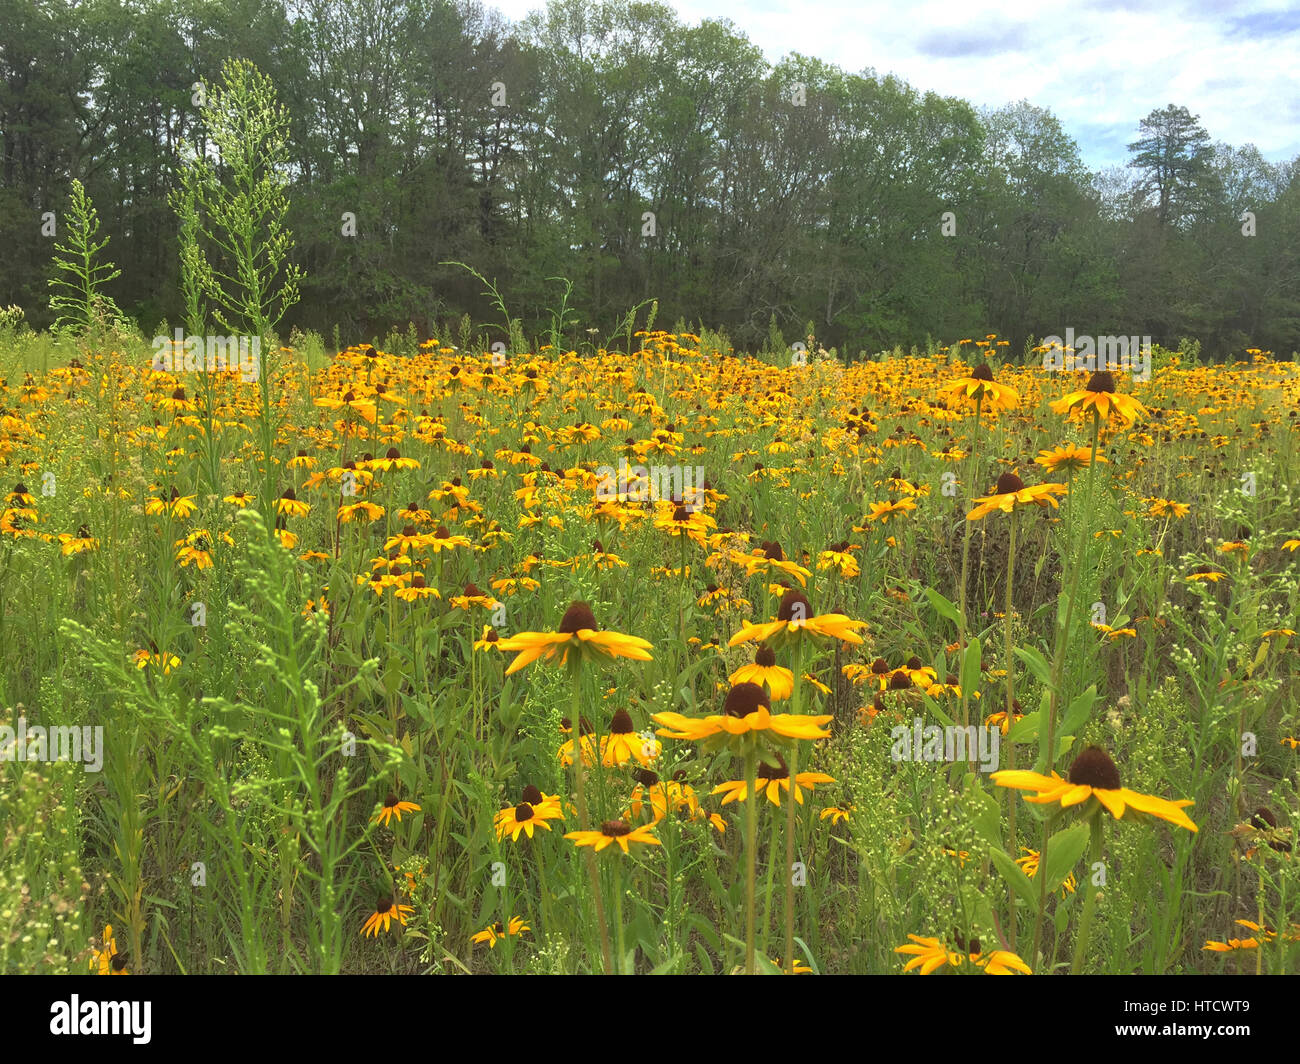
965	556
1058	663
1010	717
751	846
1090	901
575	720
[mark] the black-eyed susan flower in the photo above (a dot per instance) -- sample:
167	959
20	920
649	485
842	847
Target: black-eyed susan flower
578	634
393	460
1099	395
888	510
1011	492
106	960
416	590
765	670
981	388
1167	507
533	811
1265	933
393	807
1068	457
386	911
770	780
929	954
289	505
157	659
176	505
1029	865
360	511
82	542
360	405
615	831
471	597
1094	775
623	743
747	709
837	814
493	934
794	617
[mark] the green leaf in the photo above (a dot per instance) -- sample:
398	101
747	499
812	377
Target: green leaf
1063	852
1079	712
942	606
1025	730
1015	876
1037	664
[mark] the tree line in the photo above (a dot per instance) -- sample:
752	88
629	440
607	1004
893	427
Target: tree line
609	144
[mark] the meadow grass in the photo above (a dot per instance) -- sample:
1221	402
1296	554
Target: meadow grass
282	602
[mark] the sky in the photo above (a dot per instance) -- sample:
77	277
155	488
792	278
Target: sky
1099	65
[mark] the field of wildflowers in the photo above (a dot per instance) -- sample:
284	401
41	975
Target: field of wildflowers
661	659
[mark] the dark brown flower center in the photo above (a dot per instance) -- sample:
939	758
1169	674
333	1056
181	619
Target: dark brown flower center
744	699
614	828
645	777
621	724
577	617
765	658
982	372
390	801
1094	768
383	905
532	795
393	453
794	607
779	771
523	812
1101	381
1009	483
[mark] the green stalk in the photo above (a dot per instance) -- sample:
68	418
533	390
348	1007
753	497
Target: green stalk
575	719
795	708
1090	901
1011	749
965	556
751	846
1058	663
